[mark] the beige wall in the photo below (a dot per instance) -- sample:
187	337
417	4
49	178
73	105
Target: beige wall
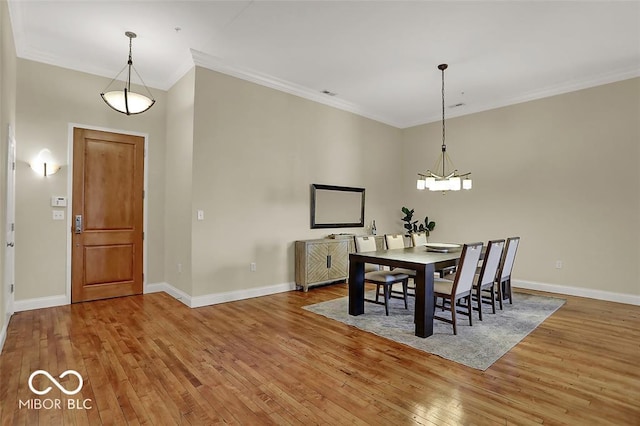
178	172
49	98
255	153
7	117
561	172
246	155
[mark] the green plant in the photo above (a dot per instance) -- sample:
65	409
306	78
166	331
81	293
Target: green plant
412	226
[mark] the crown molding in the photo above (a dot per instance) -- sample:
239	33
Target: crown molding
547	92
214	63
193	57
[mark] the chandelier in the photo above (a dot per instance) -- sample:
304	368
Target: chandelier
443	177
126	101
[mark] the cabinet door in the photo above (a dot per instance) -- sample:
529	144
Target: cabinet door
317	263
339	253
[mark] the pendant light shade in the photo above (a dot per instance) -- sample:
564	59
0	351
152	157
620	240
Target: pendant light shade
124	100
127	102
444	177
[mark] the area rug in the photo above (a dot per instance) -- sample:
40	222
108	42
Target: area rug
476	346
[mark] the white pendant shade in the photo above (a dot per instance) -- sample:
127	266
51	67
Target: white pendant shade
430	182
127	102
455	183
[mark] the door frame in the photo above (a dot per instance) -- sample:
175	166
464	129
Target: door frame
145	201
10	267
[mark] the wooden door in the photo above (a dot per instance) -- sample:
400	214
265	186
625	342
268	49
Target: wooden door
107	215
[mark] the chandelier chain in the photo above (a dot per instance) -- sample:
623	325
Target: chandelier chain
443	144
447	181
130	63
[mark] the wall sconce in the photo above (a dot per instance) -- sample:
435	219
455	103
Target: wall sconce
44	164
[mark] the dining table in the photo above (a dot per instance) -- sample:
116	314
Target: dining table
424	262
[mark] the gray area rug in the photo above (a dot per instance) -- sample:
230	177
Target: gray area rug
477	346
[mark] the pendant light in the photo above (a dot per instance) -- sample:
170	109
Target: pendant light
445	176
124	100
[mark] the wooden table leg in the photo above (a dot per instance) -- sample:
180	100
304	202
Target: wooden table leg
356	288
424	301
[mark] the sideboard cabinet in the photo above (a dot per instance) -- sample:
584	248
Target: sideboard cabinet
324	260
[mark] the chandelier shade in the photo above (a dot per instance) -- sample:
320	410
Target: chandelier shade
444	176
124	100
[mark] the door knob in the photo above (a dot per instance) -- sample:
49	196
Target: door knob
10	244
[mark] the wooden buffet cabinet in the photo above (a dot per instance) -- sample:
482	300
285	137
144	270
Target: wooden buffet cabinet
325	260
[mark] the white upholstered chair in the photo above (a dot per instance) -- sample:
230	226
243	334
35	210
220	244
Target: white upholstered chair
381	278
485	281
418	238
461	287
393	242
504	270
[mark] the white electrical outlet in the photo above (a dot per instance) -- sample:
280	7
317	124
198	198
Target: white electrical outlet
253	266
200	214
558	264
58	214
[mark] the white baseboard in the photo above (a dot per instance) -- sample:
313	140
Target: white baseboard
170	290
215	298
190	301
40	303
630	299
3	332
231	296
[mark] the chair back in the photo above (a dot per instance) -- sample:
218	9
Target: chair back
418	238
467	268
364	243
509	257
394	241
491	262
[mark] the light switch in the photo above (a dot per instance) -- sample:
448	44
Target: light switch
200	214
58	214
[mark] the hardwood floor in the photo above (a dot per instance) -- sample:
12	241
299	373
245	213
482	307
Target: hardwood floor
151	360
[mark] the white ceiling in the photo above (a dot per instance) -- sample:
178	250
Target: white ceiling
379	57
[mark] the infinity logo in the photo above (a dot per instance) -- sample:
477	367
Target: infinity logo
55	382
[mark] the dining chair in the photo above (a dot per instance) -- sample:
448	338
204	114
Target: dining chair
461	287
485	281
504	270
393	242
418	239
381	278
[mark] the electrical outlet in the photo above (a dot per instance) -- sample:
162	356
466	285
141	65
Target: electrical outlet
253	266
200	214
558	264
